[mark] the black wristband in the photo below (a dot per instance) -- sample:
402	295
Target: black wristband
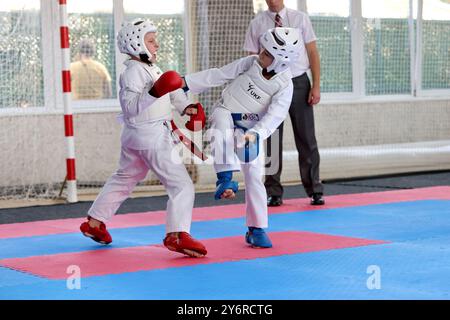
185	88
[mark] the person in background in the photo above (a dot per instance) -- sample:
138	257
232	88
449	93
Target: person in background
90	78
304	98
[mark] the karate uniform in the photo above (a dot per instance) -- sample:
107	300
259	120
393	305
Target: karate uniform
266	102
147	144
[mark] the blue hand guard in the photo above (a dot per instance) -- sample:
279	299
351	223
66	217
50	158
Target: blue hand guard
249	151
224	182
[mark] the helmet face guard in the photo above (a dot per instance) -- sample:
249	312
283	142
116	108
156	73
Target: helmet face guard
130	38
283	44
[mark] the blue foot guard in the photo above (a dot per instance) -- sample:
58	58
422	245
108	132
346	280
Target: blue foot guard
224	182
256	237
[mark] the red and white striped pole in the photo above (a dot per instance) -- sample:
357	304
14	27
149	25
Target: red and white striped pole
68	119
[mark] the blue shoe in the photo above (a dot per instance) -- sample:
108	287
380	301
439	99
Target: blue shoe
256	237
224	182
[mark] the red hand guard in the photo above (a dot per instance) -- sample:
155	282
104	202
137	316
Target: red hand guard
168	82
197	121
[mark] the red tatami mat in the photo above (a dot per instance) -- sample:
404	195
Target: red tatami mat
120	260
48	227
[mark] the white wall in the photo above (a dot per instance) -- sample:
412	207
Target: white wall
355	139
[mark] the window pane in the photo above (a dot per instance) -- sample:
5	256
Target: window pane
331	8
261	5
92	42
436	45
168	17
386	46
21	78
331	24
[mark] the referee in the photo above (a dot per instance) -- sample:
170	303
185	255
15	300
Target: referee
304	97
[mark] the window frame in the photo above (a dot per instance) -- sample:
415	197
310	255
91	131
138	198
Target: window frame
419	91
358	94
51	61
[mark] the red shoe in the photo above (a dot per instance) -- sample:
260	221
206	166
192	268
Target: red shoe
99	234
184	243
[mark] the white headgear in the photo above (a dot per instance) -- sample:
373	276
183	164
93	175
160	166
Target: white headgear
130	38
283	44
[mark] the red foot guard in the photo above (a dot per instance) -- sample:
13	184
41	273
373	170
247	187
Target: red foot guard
99	234
185	244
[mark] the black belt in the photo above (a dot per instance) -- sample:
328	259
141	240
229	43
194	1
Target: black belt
300	76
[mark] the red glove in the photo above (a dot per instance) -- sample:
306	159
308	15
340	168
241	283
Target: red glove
169	81
197	121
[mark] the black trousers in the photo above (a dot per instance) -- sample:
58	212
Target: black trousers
302	117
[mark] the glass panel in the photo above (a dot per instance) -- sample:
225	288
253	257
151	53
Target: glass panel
436	45
386	46
21	77
331	24
261	5
168	17
336	8
92	42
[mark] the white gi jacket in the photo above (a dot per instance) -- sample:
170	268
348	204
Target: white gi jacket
242	71
142	114
147	145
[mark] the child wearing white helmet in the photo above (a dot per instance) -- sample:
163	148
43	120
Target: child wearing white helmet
254	103
146	98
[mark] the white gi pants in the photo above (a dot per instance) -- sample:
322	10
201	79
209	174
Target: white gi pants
222	143
133	167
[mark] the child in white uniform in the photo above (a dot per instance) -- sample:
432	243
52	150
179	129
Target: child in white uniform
252	106
146	97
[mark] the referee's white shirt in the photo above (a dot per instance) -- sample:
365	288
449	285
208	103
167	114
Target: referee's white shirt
289	18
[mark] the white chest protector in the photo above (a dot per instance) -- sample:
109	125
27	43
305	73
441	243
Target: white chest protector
160	109
252	93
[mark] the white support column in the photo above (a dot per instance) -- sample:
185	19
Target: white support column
419	46
202	15
119	18
302	5
51	54
187	38
412	48
357	38
188	44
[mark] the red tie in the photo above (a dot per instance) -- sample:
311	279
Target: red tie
278	21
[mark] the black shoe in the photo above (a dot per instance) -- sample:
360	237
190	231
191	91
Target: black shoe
274	201
317	200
